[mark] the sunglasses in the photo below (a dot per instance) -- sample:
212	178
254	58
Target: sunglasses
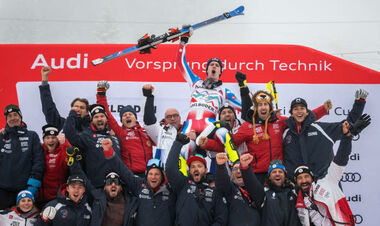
109	181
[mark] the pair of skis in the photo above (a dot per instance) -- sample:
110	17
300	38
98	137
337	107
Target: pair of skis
147	42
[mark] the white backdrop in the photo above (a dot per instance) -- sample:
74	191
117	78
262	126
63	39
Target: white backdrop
363	195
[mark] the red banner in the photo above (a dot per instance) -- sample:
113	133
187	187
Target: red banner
261	63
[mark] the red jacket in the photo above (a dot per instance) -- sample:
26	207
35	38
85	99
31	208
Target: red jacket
265	150
136	145
55	174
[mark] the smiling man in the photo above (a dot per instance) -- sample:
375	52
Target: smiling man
277	199
310	143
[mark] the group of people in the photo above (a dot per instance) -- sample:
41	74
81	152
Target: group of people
213	169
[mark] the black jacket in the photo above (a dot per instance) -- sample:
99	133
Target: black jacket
89	142
21	158
154	208
242	209
313	146
277	203
197	204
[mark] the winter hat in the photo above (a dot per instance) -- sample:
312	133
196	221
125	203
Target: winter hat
261	96
97	108
196	157
302	169
296	101
216	60
12	108
227	106
75	179
24	194
127	108
276	164
155	164
49	129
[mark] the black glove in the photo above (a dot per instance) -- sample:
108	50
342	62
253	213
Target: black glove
224	124
241	79
182	138
185	37
208	83
360	124
147	92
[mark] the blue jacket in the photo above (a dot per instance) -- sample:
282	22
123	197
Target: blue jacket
241	207
154	207
313	146
89	142
21	158
68	212
197	204
51	113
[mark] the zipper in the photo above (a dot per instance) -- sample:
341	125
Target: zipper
130	159
142	144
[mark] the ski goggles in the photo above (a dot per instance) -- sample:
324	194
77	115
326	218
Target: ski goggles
155	163
109	181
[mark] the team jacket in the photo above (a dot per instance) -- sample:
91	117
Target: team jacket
136	145
89	142
51	113
68	212
328	196
55	174
241	207
197	204
14	217
21	158
313	145
154	207
277	203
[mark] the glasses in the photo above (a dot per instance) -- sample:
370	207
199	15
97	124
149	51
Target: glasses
172	116
155	162
109	181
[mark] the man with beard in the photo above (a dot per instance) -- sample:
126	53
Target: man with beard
277	199
50	111
242	209
136	145
54	146
156	200
322	202
90	142
21	158
310	143
197	202
70	207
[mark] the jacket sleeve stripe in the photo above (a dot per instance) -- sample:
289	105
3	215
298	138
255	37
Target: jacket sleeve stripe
322	131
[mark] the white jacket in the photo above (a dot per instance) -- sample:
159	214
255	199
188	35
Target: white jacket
14	217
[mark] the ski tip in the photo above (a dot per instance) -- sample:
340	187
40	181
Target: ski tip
240	10
97	61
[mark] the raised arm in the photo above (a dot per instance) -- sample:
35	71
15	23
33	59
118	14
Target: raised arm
254	187
183	66
222	181
49	109
71	132
175	178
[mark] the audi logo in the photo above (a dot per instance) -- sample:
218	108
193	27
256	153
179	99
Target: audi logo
358	218
351	177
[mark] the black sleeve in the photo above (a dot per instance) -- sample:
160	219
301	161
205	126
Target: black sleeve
76	169
246	102
344	150
149	116
71	133
222	181
254	187
38	159
49	109
221	210
175	178
356	111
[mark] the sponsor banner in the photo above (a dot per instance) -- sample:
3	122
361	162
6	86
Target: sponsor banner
298	72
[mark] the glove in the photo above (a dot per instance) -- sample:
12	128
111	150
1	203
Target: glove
185	37
361	94
182	138
73	153
222	124
360	124
33	185
48	213
241	79
102	87
147	92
